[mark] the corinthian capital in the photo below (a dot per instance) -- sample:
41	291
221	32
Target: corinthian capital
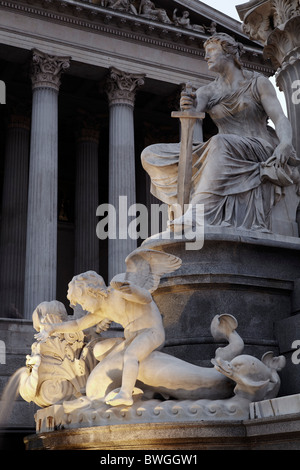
121	86
284	10
46	69
275	23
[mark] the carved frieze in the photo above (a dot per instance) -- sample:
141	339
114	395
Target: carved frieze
140	8
119	20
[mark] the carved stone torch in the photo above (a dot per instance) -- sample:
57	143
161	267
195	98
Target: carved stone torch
276	25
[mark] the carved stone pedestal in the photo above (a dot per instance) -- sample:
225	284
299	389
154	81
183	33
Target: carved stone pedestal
246	274
249	275
273	433
163	436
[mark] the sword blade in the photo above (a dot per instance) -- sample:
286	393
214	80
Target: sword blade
185	166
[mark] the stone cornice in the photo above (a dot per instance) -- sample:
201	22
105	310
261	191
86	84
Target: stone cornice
107	20
126	26
103	20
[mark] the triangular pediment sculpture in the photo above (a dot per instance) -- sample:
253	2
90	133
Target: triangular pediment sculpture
191	15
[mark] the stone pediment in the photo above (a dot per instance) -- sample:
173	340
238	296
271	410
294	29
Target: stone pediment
178	25
183	17
185	14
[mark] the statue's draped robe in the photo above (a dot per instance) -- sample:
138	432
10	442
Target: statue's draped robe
226	169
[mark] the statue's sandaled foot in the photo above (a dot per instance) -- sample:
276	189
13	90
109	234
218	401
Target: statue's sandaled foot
118	397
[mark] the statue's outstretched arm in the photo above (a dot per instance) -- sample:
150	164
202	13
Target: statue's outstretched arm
87	321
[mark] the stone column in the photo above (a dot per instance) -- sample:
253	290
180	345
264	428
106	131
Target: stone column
41	246
288	81
87	197
14	216
276	24
121	90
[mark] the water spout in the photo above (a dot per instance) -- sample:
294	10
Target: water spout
9	395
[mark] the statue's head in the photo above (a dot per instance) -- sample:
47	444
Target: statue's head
49	312
228	46
87	289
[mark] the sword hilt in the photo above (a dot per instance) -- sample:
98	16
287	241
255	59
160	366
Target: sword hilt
189	88
188	113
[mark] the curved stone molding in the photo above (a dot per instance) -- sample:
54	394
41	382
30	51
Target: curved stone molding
151	411
47	69
122	86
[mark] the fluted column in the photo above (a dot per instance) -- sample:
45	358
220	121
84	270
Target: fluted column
121	90
87	197
41	246
14	217
288	81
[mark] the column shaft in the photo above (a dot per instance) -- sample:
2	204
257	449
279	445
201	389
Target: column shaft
41	251
86	241
121	90
41	243
14	218
286	79
121	179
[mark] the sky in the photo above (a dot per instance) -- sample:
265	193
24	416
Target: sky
228	7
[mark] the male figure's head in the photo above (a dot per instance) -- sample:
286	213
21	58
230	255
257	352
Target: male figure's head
87	289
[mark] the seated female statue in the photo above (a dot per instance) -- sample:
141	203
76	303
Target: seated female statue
240	173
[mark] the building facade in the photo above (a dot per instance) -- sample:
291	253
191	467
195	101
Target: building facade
88	85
